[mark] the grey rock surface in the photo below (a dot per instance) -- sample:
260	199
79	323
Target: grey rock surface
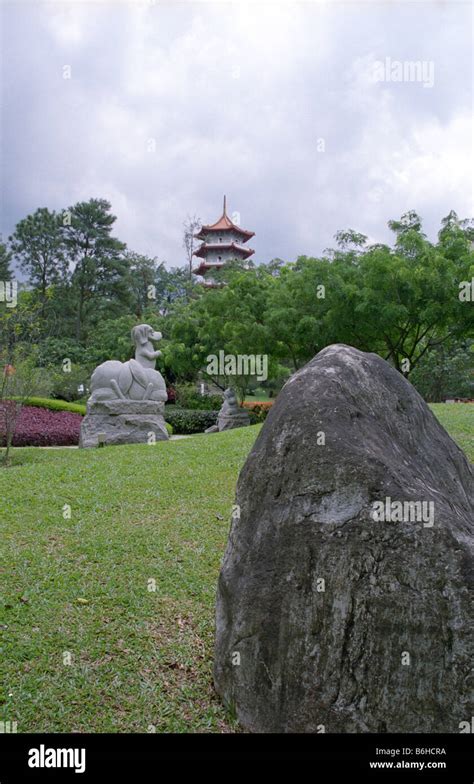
114	407
120	422
328	615
229	422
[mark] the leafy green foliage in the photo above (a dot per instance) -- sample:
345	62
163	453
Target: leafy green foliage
187	421
71	385
188	397
446	372
5	259
56	405
401	301
100	281
37	244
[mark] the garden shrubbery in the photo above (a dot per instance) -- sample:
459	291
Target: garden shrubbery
188	397
188	421
72	385
258	411
171	392
56	405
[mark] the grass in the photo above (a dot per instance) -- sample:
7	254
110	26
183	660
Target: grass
458	420
80	585
89	643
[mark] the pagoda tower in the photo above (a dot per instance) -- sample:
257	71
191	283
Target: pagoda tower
222	241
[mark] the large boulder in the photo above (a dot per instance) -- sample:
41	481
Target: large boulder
340	608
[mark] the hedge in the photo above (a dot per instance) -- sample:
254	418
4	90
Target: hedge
54	405
187	421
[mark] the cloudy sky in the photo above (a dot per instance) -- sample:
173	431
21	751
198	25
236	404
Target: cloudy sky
290	108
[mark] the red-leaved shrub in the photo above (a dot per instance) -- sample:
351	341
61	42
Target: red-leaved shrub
258	404
171	395
259	409
41	427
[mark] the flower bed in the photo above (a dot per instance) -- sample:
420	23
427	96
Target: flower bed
42	427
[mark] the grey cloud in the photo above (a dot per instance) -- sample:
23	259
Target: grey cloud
235	98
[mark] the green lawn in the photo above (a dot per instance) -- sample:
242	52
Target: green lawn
458	419
85	645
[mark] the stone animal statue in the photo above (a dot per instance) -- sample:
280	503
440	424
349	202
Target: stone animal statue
136	379
230	406
230	415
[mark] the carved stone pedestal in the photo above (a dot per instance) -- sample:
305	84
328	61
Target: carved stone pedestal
230	415
115	422
229	421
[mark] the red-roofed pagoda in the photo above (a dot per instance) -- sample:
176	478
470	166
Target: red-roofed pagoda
222	241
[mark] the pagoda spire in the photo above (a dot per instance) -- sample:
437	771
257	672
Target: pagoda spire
224	213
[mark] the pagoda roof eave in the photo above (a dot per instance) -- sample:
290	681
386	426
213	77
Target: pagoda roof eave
202	251
218	228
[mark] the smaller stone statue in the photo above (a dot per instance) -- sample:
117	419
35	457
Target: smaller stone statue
231	415
127	398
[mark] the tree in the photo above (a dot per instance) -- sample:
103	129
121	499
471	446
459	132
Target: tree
5	259
143	272
410	238
19	375
111	339
446	371
402	302
410	221
37	245
101	277
348	237
9	410
228	319
191	225
172	286
17	383
296	309
20	328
